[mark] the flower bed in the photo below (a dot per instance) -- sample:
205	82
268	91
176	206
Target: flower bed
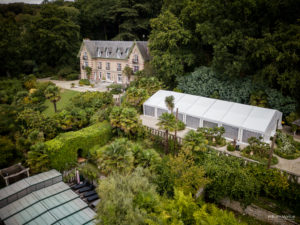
287	147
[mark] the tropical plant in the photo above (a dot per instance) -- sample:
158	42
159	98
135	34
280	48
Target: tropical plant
53	94
135	97
126	120
128	72
116	156
150	84
195	142
169	101
89	171
167	122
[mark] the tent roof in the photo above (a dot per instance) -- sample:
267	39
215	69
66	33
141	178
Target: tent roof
235	114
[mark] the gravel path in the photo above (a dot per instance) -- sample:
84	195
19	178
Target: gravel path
67	85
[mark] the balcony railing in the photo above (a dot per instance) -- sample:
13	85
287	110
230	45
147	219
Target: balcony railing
84	57
135	61
119	69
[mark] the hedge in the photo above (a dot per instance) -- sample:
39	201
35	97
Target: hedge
63	149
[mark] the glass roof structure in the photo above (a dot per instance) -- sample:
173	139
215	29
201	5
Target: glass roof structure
239	120
53	204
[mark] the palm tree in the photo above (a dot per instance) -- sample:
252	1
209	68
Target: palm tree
169	100
128	72
53	94
167	122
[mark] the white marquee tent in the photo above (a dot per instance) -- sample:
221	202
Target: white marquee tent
240	121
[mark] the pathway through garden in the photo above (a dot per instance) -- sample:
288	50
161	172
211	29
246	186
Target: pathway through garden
292	166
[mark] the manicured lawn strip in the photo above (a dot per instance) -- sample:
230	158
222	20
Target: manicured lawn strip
64	102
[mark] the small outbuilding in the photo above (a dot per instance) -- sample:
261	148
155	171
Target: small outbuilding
239	120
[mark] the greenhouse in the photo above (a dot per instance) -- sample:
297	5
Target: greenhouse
239	120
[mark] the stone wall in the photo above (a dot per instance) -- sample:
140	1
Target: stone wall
259	213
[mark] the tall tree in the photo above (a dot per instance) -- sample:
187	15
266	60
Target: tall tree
168	47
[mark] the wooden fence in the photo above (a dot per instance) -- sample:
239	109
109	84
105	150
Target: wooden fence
163	134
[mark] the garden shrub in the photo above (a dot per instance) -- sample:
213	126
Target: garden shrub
287	147
94	100
7	151
84	82
101	115
229	179
8	90
230	147
115	89
213	135
72	76
62	150
259	151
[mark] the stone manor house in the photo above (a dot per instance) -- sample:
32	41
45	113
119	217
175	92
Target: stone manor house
107	59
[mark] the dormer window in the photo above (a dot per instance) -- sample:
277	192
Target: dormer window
99	52
107	53
118	53
127	51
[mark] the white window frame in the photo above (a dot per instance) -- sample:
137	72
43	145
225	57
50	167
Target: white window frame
100	75
95	76
108	74
119	67
99	52
100	65
118	80
86	63
135	58
107	66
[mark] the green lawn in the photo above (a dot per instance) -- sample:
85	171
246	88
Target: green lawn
66	95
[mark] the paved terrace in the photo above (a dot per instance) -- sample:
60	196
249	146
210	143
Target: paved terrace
292	166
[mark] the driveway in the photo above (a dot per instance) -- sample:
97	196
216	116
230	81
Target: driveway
67	85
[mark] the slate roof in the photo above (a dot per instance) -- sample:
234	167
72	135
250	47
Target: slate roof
53	204
116	49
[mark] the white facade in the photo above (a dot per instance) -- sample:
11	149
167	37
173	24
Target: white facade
240	121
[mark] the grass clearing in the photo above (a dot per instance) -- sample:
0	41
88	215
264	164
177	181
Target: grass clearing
64	102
